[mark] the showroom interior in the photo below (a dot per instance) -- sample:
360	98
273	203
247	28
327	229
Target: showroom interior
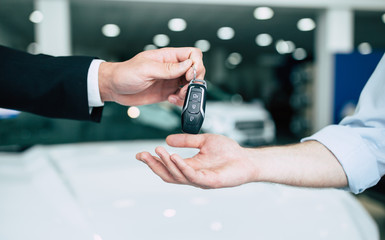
276	71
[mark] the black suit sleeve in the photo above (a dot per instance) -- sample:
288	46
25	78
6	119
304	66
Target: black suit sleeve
45	85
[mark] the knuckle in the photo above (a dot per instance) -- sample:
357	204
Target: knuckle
169	66
169	69
198	50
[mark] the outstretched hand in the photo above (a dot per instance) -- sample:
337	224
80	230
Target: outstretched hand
221	162
150	77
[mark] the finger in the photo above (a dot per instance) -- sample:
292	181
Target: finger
156	166
170	70
178	99
195	54
190	74
200	71
195	178
170	165
172	55
197	58
186	140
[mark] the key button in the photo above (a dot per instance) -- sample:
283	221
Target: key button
196	95
193	107
193	119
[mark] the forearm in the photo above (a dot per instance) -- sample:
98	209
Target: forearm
307	164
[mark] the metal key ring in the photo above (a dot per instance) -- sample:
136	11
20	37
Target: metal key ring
199	81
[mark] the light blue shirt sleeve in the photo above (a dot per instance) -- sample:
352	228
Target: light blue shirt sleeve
358	141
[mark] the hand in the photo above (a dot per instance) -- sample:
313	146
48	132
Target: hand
151	76
221	162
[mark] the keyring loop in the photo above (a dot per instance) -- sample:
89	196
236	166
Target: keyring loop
199	81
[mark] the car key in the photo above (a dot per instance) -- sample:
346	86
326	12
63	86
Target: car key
193	111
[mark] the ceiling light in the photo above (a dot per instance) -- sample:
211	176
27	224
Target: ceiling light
263	13
177	24
225	33
203	45
150	47
365	48
161	40
133	112
36	17
306	24
383	18
299	54
111	30
291	46
263	40
235	58
284	47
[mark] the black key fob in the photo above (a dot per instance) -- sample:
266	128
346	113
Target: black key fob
193	111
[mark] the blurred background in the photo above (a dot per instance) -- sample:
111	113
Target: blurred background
277	70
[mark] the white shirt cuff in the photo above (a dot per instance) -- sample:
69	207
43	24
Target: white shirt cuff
94	99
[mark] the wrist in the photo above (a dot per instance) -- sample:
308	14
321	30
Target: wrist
105	78
253	159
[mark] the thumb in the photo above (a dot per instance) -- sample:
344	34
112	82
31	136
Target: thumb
173	70
186	140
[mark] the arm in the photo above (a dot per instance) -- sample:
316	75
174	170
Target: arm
358	141
352	153
57	86
45	85
221	162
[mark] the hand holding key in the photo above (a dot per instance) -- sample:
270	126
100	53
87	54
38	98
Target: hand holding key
151	76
